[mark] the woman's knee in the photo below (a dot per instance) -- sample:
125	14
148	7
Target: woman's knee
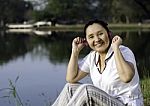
66	85
84	87
79	87
90	88
71	85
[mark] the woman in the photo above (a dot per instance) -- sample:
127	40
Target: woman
112	68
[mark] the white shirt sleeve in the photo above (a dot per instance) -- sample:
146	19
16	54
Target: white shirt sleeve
127	54
84	64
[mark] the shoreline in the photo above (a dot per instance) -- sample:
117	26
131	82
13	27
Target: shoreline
77	27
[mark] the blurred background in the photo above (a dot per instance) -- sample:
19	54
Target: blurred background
35	44
74	11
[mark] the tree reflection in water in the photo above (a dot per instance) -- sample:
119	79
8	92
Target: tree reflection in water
58	46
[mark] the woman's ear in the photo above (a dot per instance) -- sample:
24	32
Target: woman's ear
85	42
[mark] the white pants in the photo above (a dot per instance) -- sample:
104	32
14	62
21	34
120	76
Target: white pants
85	95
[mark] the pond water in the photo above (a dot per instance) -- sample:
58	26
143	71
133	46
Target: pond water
36	65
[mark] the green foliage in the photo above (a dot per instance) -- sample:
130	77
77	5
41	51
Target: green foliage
123	11
117	11
70	9
14	10
145	84
41	15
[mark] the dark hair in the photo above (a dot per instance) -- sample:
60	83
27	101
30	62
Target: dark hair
102	23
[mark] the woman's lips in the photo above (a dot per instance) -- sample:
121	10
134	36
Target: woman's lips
99	44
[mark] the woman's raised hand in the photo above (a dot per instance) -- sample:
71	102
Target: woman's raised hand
77	44
116	42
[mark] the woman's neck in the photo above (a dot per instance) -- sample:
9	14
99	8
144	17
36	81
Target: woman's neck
102	55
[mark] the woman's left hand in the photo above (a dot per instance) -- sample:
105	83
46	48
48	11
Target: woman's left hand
116	42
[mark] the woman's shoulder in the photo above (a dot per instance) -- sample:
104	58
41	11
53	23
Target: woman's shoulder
125	48
92	52
90	55
126	51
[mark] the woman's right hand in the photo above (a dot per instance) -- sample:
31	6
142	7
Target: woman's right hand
77	44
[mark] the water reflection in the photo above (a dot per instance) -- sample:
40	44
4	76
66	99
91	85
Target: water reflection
58	45
41	61
30	31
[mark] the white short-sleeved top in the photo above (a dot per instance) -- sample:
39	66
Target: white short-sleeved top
109	80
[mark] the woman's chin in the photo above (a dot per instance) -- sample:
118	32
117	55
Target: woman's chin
101	50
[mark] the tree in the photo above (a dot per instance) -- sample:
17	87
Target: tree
14	10
144	4
116	11
71	9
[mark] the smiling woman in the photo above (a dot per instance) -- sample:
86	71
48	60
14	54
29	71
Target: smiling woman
97	40
116	79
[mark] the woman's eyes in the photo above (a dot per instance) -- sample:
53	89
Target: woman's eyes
91	36
100	33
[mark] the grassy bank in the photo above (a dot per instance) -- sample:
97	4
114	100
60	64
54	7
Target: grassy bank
145	85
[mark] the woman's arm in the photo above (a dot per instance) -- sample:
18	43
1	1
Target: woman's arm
125	69
73	73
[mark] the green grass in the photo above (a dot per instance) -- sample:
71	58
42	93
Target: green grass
145	85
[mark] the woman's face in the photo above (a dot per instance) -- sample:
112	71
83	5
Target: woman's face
97	38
